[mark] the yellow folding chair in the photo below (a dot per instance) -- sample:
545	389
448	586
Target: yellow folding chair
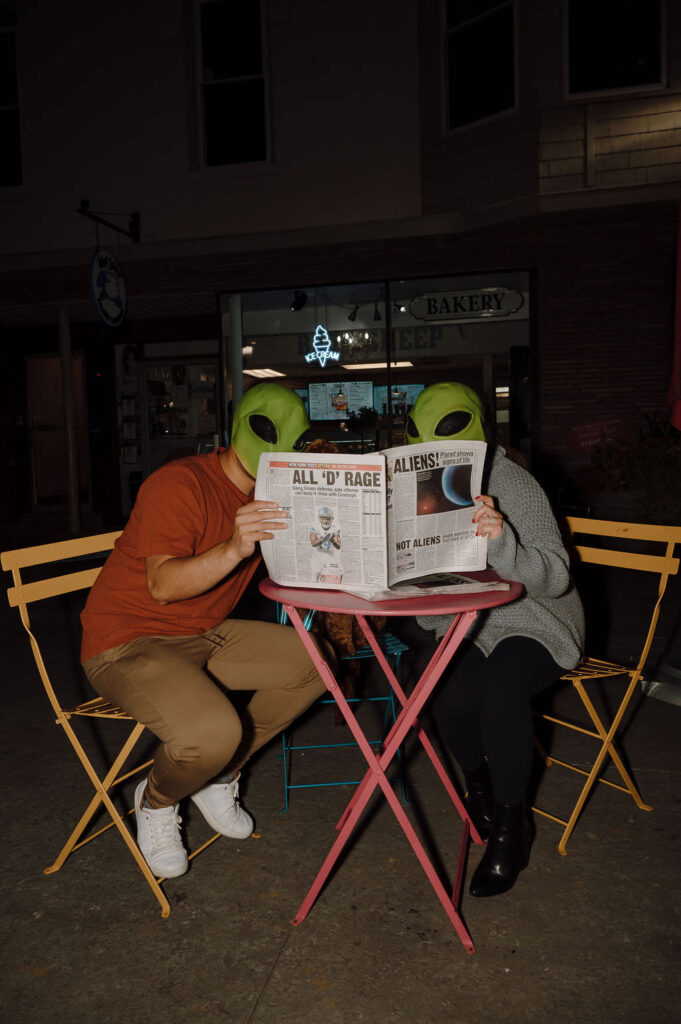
610	544
71	555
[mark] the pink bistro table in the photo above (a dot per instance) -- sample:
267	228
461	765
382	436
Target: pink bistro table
463	608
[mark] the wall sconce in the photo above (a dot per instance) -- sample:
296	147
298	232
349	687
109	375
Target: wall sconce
299	300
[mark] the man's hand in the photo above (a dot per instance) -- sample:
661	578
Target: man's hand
255	522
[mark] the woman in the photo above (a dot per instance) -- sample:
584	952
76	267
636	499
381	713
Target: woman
483	705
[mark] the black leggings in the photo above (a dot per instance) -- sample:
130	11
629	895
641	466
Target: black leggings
483	708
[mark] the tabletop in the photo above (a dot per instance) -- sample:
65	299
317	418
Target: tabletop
430	604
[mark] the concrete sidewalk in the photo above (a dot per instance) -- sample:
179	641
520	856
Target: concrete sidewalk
591	937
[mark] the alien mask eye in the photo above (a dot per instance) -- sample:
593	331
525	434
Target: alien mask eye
263	427
412	430
453	423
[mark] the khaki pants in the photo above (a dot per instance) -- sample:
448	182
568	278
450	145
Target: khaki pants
179	687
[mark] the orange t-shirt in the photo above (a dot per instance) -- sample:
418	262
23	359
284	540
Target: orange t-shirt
184	508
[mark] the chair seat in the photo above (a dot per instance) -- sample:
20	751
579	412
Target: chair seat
594	668
98	708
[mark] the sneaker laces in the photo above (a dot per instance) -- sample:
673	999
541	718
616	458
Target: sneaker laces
233	790
230	787
164	832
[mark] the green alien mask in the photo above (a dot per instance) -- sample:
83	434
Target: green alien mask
446	412
269	418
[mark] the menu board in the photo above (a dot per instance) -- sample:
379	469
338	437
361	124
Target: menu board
402	397
336	400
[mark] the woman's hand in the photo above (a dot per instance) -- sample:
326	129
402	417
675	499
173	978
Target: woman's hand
489	522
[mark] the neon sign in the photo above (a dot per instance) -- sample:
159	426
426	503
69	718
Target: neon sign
322	348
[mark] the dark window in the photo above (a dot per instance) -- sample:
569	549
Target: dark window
10	137
480	59
232	82
614	44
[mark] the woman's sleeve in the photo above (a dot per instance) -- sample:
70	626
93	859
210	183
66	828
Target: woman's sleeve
530	549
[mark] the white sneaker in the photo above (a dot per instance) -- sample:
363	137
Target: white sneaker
219	804
158	837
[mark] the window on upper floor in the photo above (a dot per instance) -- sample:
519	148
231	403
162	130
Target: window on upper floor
480	59
232	77
614	44
10	137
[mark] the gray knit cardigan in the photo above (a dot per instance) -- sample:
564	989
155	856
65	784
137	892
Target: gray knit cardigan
530	551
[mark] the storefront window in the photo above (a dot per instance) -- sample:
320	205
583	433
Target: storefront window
359	354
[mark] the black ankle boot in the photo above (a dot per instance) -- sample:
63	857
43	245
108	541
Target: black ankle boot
507	853
480	799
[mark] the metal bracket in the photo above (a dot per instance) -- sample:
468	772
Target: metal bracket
133	223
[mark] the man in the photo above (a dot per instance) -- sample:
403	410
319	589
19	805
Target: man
326	541
158	640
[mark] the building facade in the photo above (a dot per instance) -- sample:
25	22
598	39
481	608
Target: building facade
192	189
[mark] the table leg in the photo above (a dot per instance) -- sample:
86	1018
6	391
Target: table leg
376	775
440	659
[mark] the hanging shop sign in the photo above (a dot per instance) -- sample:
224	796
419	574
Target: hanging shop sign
478	303
323	352
107	286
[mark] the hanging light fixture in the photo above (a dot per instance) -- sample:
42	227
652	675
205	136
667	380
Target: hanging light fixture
298	301
353	315
377	312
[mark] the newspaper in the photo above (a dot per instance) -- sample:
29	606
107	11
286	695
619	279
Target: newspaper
393	523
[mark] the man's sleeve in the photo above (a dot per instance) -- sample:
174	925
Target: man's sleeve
170	512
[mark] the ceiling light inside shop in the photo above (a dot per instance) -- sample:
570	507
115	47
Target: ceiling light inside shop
352	338
263	373
373	366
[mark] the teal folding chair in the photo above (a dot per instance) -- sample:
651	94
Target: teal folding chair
391	647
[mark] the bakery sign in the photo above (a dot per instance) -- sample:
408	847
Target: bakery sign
471	304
